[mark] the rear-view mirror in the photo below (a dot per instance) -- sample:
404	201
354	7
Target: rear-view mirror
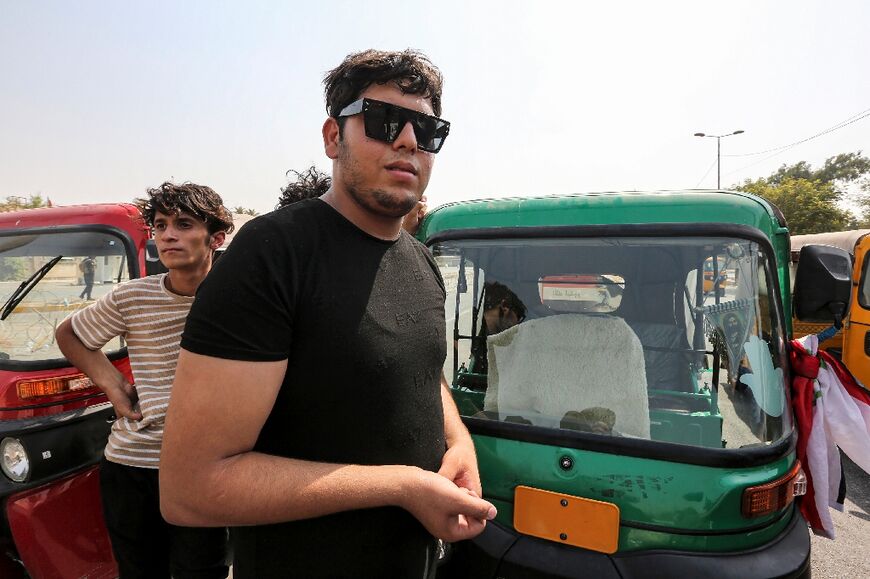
153	265
823	284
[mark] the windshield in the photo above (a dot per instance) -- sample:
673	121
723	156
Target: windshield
864	287
668	339
90	264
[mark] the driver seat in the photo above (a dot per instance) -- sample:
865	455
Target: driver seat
544	368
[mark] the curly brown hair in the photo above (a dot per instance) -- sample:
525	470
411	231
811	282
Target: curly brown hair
309	184
198	200
410	70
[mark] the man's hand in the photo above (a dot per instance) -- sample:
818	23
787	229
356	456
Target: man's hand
411	222
123	396
460	466
100	370
447	511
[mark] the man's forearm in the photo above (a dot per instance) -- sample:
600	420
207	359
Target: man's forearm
454	429
460	461
254	488
210	476
93	363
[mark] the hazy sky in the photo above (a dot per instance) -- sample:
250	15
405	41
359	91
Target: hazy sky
101	99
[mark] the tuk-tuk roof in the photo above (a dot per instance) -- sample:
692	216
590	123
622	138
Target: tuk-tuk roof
845	240
124	216
611	208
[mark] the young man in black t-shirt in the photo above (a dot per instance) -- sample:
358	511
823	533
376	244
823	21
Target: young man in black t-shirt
309	410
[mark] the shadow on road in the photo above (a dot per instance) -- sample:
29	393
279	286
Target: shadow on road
857	488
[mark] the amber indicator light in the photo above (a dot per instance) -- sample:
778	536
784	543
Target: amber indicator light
768	498
53	386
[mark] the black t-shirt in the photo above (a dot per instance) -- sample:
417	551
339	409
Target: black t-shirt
361	323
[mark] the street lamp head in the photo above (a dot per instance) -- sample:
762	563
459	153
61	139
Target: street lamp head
718	152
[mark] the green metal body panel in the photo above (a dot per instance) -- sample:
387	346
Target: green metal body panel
665	494
668	494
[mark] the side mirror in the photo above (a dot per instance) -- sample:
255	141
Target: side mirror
823	285
153	265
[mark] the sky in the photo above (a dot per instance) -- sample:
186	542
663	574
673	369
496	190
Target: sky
100	100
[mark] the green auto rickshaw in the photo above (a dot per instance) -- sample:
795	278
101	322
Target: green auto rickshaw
631	418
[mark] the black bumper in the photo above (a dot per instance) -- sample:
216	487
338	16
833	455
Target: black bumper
503	553
58	445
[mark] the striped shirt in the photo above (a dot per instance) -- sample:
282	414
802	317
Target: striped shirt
151	320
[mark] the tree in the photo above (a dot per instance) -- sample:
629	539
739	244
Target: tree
847	173
16	202
834	197
808	206
839	170
12	269
245	211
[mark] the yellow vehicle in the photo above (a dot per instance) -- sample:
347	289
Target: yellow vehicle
715	271
852	342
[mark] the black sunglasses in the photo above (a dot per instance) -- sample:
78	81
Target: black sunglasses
384	121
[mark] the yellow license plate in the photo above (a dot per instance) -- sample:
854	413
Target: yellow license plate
576	521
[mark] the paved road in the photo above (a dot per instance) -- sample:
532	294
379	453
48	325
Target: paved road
847	556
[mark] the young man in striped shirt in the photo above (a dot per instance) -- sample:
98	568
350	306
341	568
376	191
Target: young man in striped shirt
189	222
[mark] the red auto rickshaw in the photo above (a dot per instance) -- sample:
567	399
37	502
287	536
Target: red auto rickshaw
53	421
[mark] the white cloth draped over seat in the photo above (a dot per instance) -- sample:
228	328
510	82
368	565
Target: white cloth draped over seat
545	367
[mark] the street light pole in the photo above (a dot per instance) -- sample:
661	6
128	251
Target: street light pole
719	153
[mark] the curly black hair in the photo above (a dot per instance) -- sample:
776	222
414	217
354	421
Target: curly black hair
198	200
410	70
309	184
494	293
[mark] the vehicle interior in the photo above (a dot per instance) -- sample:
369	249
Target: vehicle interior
618	337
